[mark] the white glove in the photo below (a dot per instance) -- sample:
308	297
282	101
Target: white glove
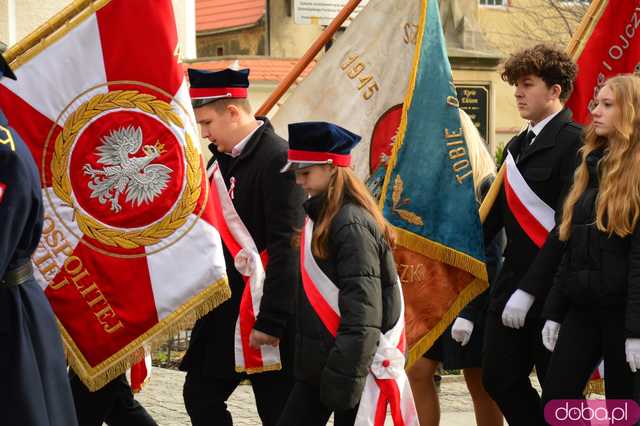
461	330
515	311
550	334
632	350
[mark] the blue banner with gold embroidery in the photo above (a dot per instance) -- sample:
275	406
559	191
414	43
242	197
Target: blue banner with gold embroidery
428	195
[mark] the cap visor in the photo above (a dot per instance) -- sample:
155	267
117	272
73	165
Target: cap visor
197	103
295	165
286	167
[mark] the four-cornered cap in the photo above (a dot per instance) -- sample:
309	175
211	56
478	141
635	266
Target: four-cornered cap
208	86
319	142
5	69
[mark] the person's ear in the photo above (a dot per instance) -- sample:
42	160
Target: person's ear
234	112
556	91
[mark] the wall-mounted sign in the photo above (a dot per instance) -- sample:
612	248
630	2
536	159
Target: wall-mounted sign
321	12
474	100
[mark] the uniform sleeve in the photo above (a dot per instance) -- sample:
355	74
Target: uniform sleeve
14	205
284	217
493	254
632	317
556	304
360	301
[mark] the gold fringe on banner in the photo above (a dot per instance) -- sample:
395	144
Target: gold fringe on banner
420	244
402	130
470	292
183	318
407	239
441	253
274	367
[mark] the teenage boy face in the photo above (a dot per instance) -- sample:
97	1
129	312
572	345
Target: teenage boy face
217	128
534	99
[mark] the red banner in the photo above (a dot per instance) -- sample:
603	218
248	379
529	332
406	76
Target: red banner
609	45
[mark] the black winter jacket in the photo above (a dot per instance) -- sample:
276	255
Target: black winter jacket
270	205
597	271
361	265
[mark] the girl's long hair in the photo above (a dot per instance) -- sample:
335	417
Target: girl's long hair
482	163
345	184
618	200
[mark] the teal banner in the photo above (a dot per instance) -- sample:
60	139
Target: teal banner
428	192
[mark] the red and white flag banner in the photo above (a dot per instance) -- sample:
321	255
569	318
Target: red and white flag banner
607	43
130	252
532	213
387	385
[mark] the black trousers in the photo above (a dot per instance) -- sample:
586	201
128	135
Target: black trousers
509	356
205	398
586	337
305	409
113	404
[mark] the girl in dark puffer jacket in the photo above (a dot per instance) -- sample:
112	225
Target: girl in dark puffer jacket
593	309
349	305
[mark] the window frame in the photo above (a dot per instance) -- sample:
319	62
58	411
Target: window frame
505	4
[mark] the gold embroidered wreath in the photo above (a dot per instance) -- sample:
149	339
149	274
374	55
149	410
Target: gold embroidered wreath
128	99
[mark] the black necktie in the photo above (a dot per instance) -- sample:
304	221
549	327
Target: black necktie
526	143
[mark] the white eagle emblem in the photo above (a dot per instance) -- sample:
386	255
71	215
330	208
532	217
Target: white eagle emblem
124	174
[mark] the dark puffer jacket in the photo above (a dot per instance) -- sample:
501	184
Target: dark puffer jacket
597	271
361	265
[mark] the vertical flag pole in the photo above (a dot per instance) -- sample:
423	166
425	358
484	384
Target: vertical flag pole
71	11
309	55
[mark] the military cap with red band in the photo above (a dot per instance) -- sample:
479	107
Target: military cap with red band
209	86
319	142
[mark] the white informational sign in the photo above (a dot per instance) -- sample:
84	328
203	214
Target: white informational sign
322	12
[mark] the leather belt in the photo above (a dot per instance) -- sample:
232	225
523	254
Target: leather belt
17	276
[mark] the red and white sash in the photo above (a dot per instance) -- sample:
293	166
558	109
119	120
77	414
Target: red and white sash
251	265
387	384
535	217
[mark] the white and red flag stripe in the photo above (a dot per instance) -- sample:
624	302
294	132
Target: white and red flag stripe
252	265
129	252
535	217
387	384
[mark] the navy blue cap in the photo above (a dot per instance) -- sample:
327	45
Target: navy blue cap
208	86
5	69
319	142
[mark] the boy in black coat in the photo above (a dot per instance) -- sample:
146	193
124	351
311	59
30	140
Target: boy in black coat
250	156
543	159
